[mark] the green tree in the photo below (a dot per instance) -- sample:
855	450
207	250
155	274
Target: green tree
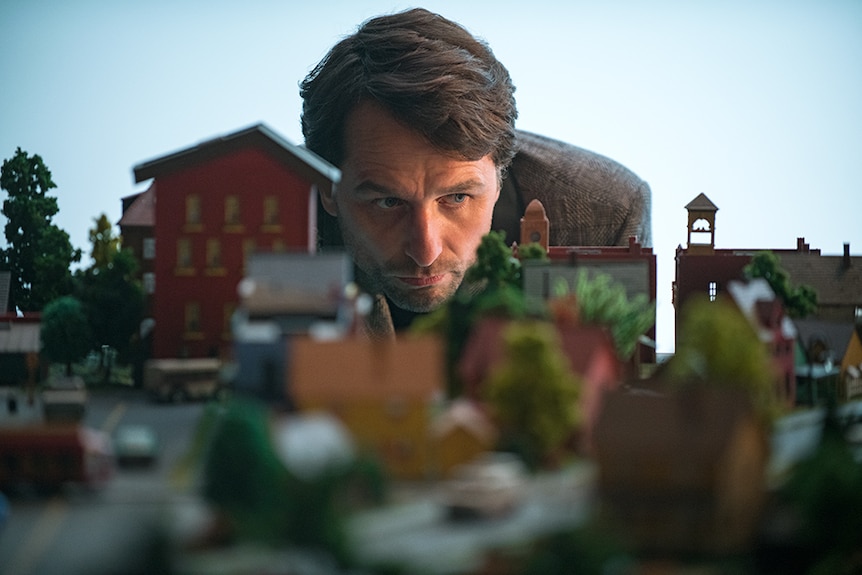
534	394
65	332
38	253
113	300
799	301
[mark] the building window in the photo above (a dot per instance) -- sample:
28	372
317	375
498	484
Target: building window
270	214
184	256
149	248
149	282
193	318
232	211
193	210
713	291
213	253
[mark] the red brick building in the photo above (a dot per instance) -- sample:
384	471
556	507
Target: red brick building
701	268
209	206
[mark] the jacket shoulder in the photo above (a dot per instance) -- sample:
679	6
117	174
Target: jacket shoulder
589	198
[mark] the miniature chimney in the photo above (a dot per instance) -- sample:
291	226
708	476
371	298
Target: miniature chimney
535	226
846	255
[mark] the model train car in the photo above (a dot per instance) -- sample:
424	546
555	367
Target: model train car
51	456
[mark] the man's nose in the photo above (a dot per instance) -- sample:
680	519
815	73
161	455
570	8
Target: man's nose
425	244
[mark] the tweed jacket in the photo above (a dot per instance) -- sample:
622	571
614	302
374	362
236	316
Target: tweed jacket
590	200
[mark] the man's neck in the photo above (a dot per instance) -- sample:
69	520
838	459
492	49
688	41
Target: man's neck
401	318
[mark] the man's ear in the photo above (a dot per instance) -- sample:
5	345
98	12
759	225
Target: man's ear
327	198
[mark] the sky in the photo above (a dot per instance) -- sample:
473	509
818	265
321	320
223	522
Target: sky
754	103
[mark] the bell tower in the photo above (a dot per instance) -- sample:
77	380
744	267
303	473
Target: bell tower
701	225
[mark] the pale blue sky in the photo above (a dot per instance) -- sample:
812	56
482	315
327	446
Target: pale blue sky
754	103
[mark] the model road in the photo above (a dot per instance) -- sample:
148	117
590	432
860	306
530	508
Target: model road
78	531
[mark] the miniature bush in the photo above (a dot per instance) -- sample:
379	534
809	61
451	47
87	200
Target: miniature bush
717	346
533	394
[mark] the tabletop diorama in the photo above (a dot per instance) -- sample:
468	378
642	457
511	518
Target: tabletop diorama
527	426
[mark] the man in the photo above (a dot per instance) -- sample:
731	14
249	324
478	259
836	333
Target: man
420	117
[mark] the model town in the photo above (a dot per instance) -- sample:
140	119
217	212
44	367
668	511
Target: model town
530	420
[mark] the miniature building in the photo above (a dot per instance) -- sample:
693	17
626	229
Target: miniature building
383	392
20	344
765	313
701	268
589	349
460	434
535	227
137	226
284	294
632	266
212	205
828	360
682	473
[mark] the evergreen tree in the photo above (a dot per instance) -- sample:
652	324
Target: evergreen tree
37	252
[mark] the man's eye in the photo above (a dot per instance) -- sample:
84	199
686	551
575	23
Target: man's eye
458	198
388	203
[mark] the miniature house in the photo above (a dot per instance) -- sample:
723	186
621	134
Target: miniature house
383	392
461	433
682	473
284	294
632	266
777	332
212	205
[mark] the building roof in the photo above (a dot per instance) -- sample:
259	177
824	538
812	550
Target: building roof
832	335
299	159
701	203
142	211
836	279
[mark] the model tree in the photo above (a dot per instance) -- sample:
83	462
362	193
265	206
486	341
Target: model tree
112	296
533	394
799	301
38	253
65	332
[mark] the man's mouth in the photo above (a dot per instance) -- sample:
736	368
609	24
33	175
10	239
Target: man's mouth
421	281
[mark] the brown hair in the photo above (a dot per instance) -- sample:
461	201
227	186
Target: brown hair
430	73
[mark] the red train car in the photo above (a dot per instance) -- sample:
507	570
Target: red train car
51	456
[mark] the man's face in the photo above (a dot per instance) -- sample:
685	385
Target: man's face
411	216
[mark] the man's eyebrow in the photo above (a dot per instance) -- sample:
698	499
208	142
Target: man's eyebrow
370	186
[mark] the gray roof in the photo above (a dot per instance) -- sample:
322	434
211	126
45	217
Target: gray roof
302	160
836	279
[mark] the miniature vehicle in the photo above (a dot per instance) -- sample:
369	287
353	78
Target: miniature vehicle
490	486
50	456
135	445
179	380
65	399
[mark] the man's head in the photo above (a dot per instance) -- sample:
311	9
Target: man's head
419	116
